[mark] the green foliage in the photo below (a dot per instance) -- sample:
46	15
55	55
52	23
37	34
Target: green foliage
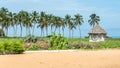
110	43
8	47
30	38
58	42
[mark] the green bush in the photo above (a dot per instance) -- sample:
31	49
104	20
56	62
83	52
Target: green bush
58	42
11	47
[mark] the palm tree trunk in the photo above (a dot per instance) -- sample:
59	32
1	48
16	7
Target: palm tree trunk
6	31
14	30
80	31
20	30
29	30
33	29
59	29
55	29
69	33
63	31
72	33
46	31
41	32
26	31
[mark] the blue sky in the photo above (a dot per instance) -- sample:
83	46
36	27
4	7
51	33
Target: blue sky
108	10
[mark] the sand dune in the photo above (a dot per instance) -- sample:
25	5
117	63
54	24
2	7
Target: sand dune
63	59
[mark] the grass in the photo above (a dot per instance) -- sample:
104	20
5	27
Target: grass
77	43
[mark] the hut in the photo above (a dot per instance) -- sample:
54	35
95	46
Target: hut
97	34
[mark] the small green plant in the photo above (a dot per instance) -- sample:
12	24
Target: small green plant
58	42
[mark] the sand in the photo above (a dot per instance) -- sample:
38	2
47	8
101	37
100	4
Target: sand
63	59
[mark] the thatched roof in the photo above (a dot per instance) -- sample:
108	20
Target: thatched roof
97	30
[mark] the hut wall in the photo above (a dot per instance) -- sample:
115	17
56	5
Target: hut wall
96	37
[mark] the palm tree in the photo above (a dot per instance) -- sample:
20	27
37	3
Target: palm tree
57	23
47	23
4	19
13	21
41	22
71	27
3	16
63	24
93	20
20	21
27	22
51	21
34	20
78	21
68	20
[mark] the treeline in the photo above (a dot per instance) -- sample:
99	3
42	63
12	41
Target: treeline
43	21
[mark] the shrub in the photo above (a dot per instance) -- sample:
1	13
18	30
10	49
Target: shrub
58	42
11	47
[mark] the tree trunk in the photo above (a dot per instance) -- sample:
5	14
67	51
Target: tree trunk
59	29
46	31
79	31
21	30
55	29
69	33
26	31
14	31
29	31
33	29
72	33
63	31
43	32
6	31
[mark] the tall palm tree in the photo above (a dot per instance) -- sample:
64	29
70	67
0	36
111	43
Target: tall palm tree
57	23
42	22
13	21
20	21
51	21
68	20
71	27
93	20
27	22
63	24
47	23
4	19
3	16
34	19
78	21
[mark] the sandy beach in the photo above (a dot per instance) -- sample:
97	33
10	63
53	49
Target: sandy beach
63	59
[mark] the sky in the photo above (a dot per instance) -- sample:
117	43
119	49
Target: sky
108	10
